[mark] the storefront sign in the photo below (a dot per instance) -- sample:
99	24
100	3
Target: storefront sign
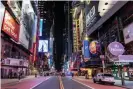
2	10
125	58
116	48
128	33
10	27
92	13
15	62
86	49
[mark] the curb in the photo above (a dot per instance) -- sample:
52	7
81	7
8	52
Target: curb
122	86
114	85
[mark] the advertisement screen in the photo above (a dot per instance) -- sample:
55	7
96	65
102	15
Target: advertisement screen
41	27
10	26
43	46
2	10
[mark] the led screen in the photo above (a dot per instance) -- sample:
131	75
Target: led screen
43	46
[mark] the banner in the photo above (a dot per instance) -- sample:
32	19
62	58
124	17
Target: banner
86	49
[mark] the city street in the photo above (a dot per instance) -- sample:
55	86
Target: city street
52	83
76	44
25	84
57	83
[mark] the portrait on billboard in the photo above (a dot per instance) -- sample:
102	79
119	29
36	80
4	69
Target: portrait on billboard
43	46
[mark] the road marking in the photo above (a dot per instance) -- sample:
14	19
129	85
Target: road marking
61	83
40	83
83	84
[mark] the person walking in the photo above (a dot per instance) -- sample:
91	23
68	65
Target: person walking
19	75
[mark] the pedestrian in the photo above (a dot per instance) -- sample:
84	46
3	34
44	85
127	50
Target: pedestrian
72	74
35	74
19	75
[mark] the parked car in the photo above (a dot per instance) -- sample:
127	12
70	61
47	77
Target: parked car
104	78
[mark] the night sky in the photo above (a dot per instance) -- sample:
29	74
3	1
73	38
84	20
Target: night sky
58	33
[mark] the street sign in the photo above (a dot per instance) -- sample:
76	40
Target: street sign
102	56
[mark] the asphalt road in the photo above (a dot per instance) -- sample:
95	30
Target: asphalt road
52	83
70	84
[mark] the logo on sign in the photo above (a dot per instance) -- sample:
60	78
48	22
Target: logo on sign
90	15
116	48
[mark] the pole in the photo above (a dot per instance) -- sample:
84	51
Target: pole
119	39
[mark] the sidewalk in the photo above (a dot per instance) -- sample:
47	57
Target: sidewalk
128	84
8	81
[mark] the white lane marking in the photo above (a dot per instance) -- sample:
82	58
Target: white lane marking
83	84
39	83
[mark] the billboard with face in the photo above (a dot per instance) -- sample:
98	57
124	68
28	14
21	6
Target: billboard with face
43	46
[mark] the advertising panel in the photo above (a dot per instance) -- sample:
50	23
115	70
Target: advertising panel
26	22
43	46
128	33
2	10
86	49
15	7
94	47
41	27
10	26
35	30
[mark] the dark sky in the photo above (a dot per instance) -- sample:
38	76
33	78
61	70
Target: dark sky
58	32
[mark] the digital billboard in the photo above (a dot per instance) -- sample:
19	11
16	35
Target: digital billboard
41	27
43	46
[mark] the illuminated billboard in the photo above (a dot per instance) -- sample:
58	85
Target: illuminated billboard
86	50
41	27
10	26
43	46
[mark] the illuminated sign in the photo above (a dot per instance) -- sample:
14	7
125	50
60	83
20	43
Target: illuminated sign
128	33
94	47
43	46
10	26
116	48
41	27
86	49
